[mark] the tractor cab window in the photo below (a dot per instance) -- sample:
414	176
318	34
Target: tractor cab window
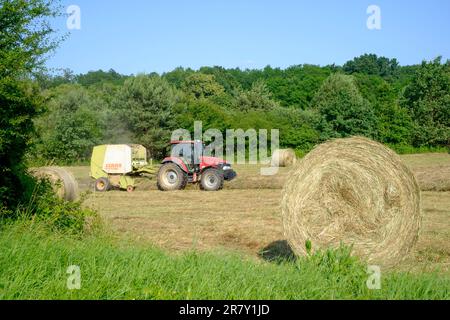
182	150
190	152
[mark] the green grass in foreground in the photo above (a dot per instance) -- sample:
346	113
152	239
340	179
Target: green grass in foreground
33	264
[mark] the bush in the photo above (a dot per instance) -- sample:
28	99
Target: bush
44	206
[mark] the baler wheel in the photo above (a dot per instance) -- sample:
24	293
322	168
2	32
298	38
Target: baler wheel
102	185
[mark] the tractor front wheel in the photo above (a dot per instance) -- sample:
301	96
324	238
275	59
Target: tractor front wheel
171	177
102	185
212	180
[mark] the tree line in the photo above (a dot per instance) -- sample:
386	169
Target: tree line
406	107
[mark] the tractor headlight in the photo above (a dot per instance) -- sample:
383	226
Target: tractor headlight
227	167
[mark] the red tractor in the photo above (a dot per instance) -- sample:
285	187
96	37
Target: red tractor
187	164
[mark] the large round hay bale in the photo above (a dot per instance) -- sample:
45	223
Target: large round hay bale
283	158
62	181
356	192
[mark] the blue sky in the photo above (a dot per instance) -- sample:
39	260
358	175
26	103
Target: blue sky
147	35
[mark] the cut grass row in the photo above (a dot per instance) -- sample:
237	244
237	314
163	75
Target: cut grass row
34	261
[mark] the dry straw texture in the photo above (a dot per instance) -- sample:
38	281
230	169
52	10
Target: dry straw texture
283	158
63	181
357	192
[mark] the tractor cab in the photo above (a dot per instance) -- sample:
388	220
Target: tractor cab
191	152
187	163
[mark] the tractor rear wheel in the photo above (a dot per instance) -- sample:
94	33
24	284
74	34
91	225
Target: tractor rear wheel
212	180
102	185
171	177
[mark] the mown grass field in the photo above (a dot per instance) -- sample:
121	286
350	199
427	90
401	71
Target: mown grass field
224	245
244	221
245	217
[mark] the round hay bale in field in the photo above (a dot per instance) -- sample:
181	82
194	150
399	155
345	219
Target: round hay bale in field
356	192
63	181
283	158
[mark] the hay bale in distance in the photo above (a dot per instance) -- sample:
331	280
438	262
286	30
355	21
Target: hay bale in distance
63	181
283	158
357	192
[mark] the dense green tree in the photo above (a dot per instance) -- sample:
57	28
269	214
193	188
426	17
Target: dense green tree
99	77
223	77
343	110
212	115
394	124
60	77
404	77
177	77
427	98
245	78
297	85
371	64
26	38
73	124
297	127
258	97
147	107
202	86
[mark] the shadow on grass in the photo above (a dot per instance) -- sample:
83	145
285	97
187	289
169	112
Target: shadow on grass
278	251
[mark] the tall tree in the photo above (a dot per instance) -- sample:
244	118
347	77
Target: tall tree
427	98
74	123
343	110
394	124
258	97
202	85
26	38
147	105
177	76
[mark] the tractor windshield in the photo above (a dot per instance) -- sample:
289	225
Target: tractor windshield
190	152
